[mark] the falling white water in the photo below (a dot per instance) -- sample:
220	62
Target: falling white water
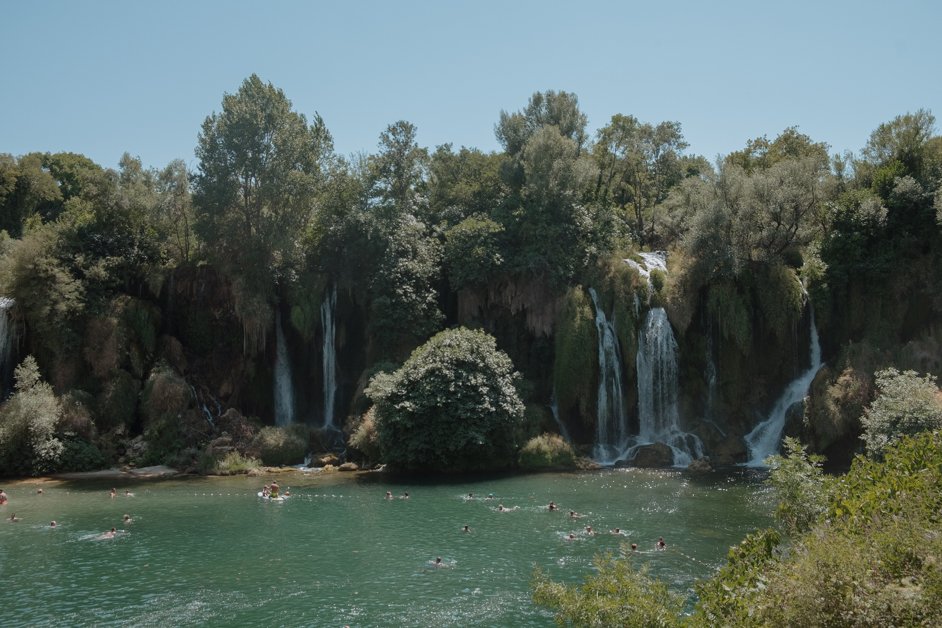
284	394
611	418
763	441
658	414
554	408
329	356
6	341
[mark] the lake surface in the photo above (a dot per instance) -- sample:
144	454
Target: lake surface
208	551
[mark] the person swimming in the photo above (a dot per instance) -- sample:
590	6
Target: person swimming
574	515
128	493
570	537
52	524
634	547
3	497
467	528
126	518
552	506
405	495
616	531
114	493
389	495
39	491
661	544
589	530
13	518
110	534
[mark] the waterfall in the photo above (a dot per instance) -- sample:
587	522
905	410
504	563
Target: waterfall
329	356
611	417
554	408
764	439
658	415
284	395
7	340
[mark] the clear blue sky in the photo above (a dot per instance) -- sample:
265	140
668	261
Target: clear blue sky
105	77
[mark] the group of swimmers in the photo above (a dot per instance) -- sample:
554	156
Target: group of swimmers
110	534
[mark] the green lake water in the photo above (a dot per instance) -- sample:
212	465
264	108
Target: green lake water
208	551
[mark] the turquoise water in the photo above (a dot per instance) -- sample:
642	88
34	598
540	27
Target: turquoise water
208	551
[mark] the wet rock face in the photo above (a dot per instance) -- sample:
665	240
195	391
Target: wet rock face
655	456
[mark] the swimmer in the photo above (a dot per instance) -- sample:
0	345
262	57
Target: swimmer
126	518
266	491
500	508
490	496
466	529
114	493
661	544
574	515
108	535
405	495
470	496
39	491
52	524
616	531
389	495
288	492
14	518
589	530
570	537
552	506
634	547
3	497
128	493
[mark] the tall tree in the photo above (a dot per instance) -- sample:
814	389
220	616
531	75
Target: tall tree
261	169
638	165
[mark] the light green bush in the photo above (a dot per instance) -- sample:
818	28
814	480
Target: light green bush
906	404
28	420
282	445
547	451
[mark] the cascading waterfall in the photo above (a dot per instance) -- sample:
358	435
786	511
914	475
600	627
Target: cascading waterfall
658	415
329	356
284	394
611	418
554	408
656	362
763	441
6	342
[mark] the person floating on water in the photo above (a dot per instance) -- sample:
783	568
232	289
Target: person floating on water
470	496
109	534
661	544
114	493
571	537
128	493
634	547
14	518
389	495
467	528
589	530
126	518
39	491
616	531
405	495
3	497
552	506
574	515
52	523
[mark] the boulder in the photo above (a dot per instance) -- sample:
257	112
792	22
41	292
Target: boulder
700	465
327	460
657	455
349	466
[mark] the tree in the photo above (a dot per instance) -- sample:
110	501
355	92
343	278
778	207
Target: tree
464	183
261	170
906	404
903	140
800	487
398	171
547	173
175	210
638	165
472	252
27	189
28	420
452	406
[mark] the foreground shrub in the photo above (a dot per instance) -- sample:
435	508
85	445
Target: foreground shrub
452	406
365	438
28	420
801	487
906	404
278	446
547	451
616	595
232	463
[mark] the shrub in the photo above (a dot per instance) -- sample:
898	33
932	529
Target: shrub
364	437
80	455
232	463
28	420
278	446
800	487
452	406
616	595
547	451
906	404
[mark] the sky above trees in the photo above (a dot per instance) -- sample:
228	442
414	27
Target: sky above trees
107	77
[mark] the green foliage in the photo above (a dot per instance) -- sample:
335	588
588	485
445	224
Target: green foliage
233	463
79	455
547	451
464	184
575	351
116	404
780	299
472	252
28	421
729	597
729	310
261	170
452	406
801	489
616	595
278	446
365	437
906	404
